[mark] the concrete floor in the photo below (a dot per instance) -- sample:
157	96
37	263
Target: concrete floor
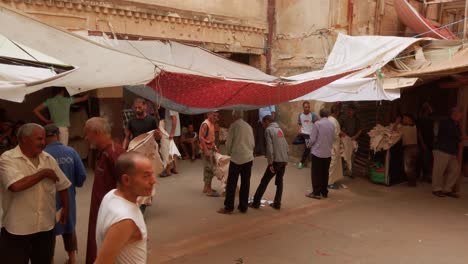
364	223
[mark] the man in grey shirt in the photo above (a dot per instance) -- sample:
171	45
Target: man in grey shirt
277	155
321	143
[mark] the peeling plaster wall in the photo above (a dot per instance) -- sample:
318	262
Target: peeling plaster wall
302	42
256	10
298	46
305	34
225	26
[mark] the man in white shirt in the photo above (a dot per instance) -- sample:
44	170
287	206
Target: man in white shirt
240	144
121	233
172	126
30	179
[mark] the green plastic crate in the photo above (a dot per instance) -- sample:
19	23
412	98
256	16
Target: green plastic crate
377	175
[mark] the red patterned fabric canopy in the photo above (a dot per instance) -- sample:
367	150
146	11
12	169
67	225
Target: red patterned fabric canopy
208	92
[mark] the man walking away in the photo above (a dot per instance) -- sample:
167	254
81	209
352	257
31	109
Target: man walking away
70	163
30	179
321	143
240	145
277	156
121	233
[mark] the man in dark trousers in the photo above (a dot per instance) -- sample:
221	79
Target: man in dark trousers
30	179
321	143
446	168
240	145
70	163
277	155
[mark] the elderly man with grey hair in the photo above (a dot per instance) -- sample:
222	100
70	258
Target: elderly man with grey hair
30	179
98	133
240	145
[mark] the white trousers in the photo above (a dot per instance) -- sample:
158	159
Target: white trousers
63	136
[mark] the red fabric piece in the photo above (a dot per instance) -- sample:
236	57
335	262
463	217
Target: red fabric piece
412	19
104	181
208	92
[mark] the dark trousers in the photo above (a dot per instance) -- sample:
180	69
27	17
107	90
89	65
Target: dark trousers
260	145
426	163
280	168
410	156
306	153
319	175
19	249
245	170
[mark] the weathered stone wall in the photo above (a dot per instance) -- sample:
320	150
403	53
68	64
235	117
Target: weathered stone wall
227	26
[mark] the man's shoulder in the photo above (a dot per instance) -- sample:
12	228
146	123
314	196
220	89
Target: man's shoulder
150	117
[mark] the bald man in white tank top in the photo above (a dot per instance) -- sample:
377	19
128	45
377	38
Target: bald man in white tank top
121	230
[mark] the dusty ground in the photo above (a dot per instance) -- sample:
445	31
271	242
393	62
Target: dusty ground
365	223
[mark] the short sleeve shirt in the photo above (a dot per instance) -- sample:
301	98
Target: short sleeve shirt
32	210
59	109
141	126
448	137
168	122
307	122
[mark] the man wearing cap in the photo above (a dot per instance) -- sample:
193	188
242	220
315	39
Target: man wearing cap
30	179
70	163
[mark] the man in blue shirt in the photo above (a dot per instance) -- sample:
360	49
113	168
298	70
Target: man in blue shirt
321	142
260	147
70	163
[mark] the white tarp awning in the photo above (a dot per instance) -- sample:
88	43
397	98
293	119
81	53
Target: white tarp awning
369	53
193	77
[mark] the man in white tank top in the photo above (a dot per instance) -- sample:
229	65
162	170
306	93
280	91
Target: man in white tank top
121	230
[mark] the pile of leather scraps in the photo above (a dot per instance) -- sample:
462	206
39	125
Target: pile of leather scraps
223	132
147	145
383	138
222	168
348	147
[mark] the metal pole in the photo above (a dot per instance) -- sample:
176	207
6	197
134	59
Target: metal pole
464	22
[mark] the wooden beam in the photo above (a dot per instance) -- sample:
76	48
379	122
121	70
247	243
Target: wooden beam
428	2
